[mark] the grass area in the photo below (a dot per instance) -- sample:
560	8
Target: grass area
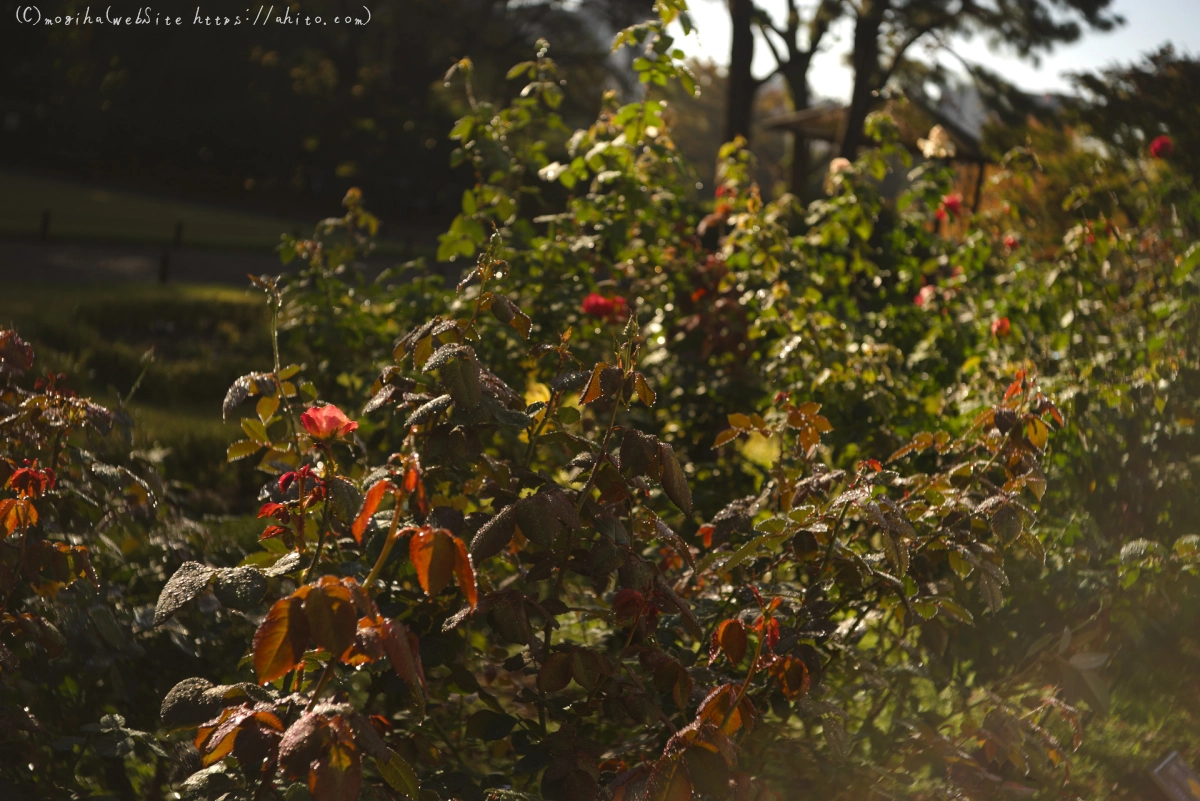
80	212
201	339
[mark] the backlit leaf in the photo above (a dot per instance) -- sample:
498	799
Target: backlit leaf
729	638
331	618
370	504
281	639
464	572
432	554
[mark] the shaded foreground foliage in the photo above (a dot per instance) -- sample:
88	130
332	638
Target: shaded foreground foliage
831	503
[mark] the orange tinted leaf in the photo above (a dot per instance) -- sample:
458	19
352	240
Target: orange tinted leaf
370	504
738	420
592	389
337	774
331	618
706	534
669	781
822	425
792	675
432	554
716	709
725	436
729	638
221	740
809	409
464	572
644	392
280	641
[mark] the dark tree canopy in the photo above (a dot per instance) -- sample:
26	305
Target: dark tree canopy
301	112
1129	106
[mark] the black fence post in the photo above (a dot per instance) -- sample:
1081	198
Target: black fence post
45	234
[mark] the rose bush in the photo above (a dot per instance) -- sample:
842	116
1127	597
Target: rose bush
667	498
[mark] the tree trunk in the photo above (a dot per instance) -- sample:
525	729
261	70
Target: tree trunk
742	86
866	70
796	76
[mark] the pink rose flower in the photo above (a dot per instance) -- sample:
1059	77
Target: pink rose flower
327	422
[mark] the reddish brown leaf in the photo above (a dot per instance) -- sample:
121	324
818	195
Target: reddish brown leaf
404	654
331	618
729	638
433	555
669	781
337	774
370	504
792	675
626	605
592	389
280	641
644	392
17	513
464	572
716	706
217	740
555	674
303	743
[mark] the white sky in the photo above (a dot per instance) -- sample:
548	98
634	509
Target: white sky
1148	24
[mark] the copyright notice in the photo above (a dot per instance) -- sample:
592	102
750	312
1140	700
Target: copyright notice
147	16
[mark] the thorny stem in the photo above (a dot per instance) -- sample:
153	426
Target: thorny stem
832	541
276	300
555	398
587	488
326	675
388	544
268	776
449	744
320	541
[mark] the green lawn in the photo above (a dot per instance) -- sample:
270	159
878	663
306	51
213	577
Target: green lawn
202	338
79	212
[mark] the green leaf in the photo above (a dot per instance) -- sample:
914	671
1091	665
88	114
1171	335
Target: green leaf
399	775
241	449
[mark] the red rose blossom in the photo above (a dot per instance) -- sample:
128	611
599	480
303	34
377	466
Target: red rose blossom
326	422
925	295
952	203
610	309
1000	327
1011	241
1162	147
